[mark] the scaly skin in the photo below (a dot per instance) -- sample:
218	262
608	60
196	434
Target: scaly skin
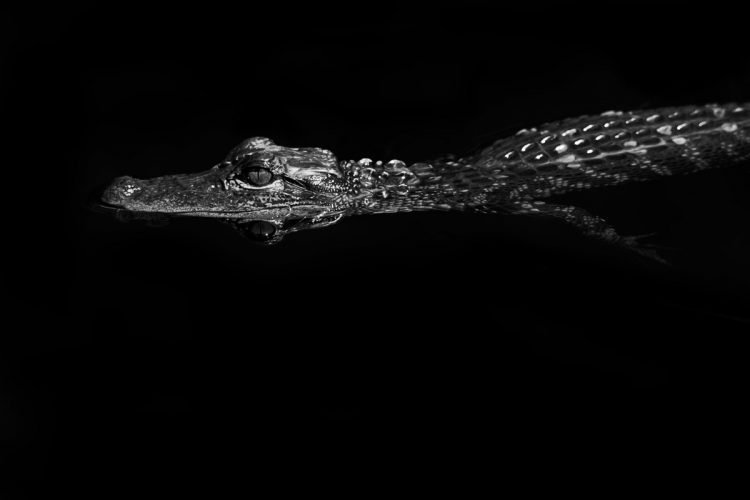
269	190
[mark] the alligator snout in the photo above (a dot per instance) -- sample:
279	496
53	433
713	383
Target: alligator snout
201	193
181	193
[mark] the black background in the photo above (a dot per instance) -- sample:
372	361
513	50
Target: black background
187	355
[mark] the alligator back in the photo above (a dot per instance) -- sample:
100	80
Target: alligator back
616	147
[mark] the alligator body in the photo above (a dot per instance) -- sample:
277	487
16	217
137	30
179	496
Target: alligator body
271	190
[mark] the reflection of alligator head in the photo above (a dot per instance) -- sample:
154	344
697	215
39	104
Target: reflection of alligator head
266	190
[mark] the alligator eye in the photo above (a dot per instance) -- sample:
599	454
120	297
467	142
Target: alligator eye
257	176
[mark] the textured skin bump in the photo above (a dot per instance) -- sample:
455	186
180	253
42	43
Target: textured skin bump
615	147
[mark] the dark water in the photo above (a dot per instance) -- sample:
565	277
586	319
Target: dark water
187	353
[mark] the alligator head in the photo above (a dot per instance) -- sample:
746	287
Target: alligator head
264	189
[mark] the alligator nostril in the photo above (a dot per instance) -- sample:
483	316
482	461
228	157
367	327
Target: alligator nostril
122	188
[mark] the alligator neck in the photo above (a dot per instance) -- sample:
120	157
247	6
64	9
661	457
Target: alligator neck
439	185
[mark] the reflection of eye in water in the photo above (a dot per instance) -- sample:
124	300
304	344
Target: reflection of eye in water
271	233
259	230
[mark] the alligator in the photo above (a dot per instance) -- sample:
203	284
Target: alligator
268	190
